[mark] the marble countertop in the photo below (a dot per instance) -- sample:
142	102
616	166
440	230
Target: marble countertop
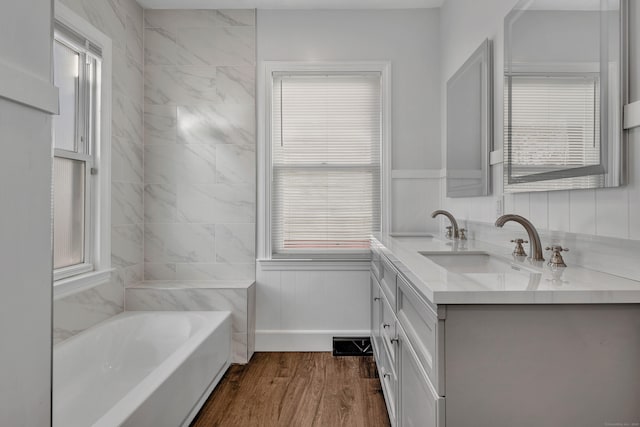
524	283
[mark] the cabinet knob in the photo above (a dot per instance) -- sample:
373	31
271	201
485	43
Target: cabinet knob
376	298
394	340
386	375
385	325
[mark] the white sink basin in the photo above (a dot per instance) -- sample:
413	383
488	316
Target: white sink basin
475	262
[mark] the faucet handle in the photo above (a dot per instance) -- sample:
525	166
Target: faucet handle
556	248
449	233
519	249
462	233
556	256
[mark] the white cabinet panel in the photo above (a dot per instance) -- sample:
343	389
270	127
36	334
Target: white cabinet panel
418	404
390	385
388	329
376	307
424	330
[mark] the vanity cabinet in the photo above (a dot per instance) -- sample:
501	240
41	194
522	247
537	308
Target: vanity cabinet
534	365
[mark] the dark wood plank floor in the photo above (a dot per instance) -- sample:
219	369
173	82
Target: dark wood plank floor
297	389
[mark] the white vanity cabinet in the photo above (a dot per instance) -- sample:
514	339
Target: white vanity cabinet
460	364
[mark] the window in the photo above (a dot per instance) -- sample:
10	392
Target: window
76	147
326	139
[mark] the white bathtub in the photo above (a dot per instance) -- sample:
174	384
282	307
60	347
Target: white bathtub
140	369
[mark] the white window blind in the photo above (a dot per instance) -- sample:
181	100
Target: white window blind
326	144
554	123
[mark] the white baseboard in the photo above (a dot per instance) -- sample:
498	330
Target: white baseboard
302	340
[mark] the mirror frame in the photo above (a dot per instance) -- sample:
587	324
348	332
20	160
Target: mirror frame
484	55
616	171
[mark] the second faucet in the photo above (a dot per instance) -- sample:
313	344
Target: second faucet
454	223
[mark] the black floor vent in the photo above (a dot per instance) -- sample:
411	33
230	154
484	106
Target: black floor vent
352	346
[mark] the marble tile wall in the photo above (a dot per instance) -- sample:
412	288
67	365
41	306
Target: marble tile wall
122	21
199	144
237	297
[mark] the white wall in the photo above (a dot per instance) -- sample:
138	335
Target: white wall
25	221
602	212
302	309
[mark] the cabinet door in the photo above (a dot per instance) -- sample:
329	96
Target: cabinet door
376	304
418	404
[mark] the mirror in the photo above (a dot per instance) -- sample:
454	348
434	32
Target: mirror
469	125
564	88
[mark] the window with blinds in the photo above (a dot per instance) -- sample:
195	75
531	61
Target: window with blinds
553	126
326	162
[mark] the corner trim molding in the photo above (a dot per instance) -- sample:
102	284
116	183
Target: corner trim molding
24	88
302	340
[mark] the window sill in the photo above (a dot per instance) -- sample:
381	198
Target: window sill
65	287
315	264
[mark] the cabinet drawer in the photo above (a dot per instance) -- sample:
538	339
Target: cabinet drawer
388	329
388	282
389	382
418	402
424	331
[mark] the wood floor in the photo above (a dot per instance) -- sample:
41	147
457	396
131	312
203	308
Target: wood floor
297	389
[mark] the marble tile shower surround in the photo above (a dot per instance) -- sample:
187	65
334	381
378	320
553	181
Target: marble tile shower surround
199	144
614	256
122	21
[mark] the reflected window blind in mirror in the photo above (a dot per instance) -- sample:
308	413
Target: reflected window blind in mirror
553	124
326	144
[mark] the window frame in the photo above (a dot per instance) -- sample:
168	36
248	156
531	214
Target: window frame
96	268
86	144
265	166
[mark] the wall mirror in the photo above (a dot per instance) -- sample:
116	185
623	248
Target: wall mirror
469	125
564	88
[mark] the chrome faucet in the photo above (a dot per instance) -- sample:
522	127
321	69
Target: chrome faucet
454	223
534	238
